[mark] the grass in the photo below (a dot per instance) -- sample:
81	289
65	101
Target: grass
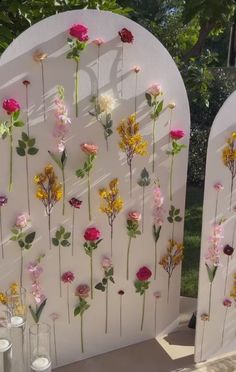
192	241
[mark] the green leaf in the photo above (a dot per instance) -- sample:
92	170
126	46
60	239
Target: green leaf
13	238
58	235
40	309
21	243
30	237
100	287
20	151
77	310
149	99
55	242
18	124
67	235
178	219
80	173
177	211
22	144
65	243
33	151
14	230
63	158
28	246
112	280
34	316
24	137
31	142
16	115
170	219
104	281
62	230
56	158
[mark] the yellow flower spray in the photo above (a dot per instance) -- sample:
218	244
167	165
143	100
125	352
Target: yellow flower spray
111	203
49	191
229	160
131	142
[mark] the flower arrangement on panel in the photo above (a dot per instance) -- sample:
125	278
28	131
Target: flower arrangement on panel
229	161
77	42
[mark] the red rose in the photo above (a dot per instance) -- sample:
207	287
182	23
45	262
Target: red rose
126	36
144	274
68	277
10	105
177	134
91	234
80	32
76	203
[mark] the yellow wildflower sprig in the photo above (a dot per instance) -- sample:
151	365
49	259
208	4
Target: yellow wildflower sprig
3	298
229	159
49	191
171	259
111	203
233	290
131	142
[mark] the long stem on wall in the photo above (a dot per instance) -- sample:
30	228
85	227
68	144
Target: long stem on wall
106	316
64	191
73	231
59	259
49	230
27	181
81	333
43	92
89	198
143	208
91	274
127	264
143	311
171	176
153	145
76	89
11	159
1	234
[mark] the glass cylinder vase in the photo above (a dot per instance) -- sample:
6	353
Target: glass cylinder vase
5	335
16	303
40	347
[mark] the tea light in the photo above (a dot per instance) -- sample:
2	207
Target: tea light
4	345
17	321
40	364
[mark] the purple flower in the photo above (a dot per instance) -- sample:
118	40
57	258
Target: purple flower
76	203
3	200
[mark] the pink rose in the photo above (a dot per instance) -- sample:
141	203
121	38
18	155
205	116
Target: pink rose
106	263
10	105
92	234
68	277
82	291
99	41
218	186
89	148
144	274
154	90
177	134
80	32
134	216
22	220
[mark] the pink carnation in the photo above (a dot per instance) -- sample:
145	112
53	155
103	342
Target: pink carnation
68	277
99	41
80	32
89	148
11	105
22	220
106	263
82	291
218	186
134	216
154	90
177	134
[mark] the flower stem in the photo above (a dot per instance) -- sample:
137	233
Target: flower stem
59	259
171	177
89	198
216	206
27	181
120	316
76	89
2	245
64	191
21	266
68	302
81	333
143	310
155	270
27	108
128	250
202	341
122	70
135	93
43	92
226	275
49	230
106	139
106	319
11	159
73	231
54	339
153	145
155	317
111	238
143	209
231	192
91	274
130	179
223	330
98	70
168	289
209	303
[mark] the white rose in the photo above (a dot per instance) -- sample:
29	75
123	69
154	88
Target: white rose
106	103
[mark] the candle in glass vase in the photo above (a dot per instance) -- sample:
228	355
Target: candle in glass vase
4	345
40	364
17	321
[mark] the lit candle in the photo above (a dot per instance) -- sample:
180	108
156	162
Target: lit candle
4	345
40	364
17	321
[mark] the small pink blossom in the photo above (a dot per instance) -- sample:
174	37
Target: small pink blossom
106	263
89	148
158	198
154	90
35	270
82	291
68	277
157	294
158	211
177	134
134	216
136	69
54	316
60	130
227	302
61	146
99	41
22	220
213	256
218	186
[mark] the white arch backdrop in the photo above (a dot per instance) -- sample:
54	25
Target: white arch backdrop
17	65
